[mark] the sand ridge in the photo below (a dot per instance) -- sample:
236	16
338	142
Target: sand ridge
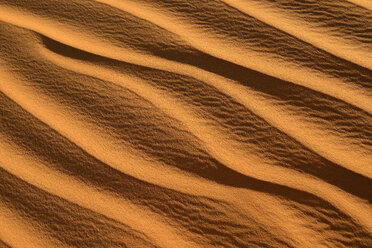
185	123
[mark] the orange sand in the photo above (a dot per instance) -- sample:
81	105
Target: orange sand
185	123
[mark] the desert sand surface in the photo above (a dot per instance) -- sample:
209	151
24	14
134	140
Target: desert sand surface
185	123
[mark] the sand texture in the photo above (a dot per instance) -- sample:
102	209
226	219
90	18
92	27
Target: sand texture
185	123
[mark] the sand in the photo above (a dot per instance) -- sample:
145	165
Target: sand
185	123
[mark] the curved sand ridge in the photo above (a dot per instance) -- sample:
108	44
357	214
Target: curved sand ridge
185	123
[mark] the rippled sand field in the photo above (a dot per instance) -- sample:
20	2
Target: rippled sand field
185	123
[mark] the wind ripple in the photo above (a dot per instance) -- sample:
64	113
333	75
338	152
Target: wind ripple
185	123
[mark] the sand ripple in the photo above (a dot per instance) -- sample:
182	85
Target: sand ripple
184	123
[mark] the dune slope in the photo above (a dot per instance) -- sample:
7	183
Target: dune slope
184	123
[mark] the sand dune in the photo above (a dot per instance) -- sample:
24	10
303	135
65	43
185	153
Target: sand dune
184	123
